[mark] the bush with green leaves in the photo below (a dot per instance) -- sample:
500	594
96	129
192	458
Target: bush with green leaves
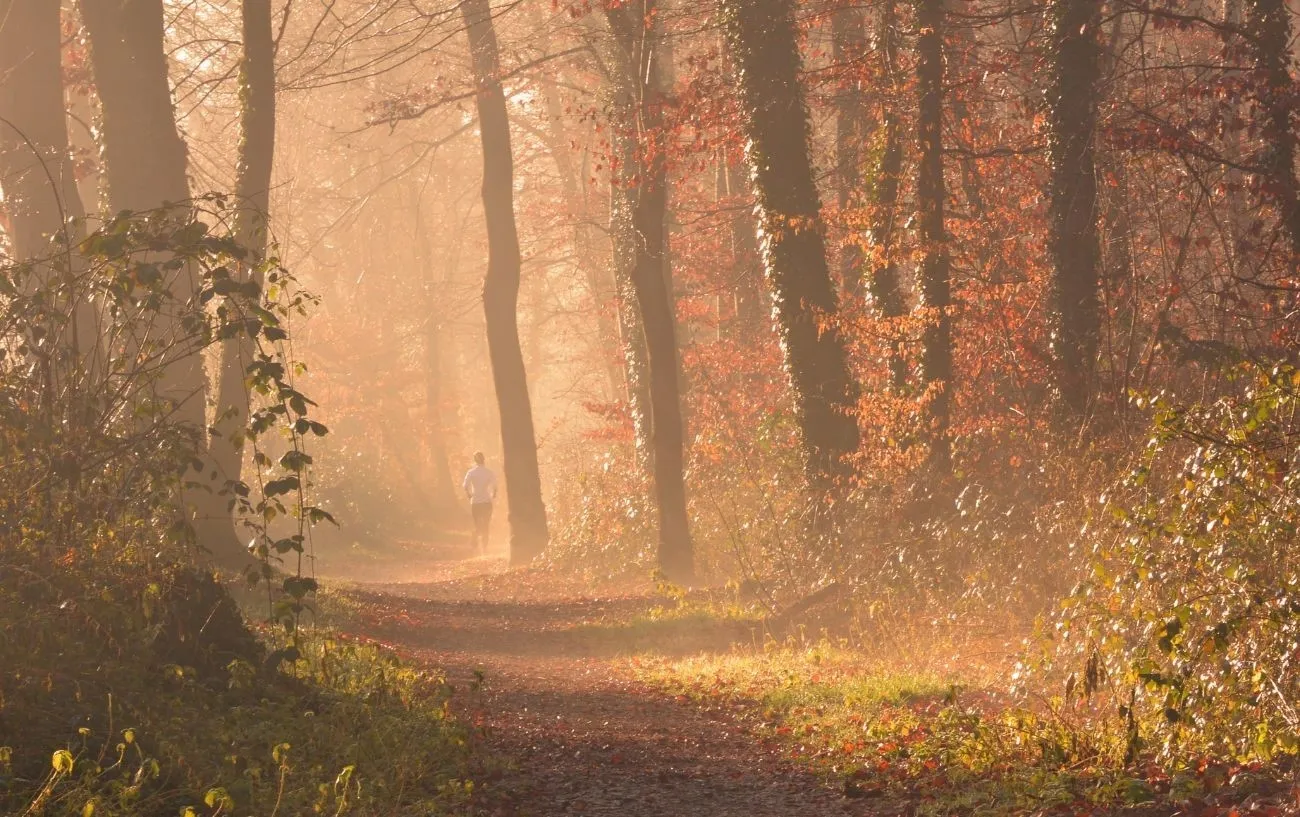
130	682
1187	620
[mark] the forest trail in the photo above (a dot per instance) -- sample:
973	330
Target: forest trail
576	734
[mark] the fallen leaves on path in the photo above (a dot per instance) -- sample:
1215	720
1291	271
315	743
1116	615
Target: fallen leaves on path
568	730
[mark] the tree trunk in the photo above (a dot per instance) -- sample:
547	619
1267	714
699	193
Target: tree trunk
1073	244
752	304
144	157
253	203
644	182
848	46
37	171
1268	36
36	168
763	41
636	359
935	290
883	284
528	533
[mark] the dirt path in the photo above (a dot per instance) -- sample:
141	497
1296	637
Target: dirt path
578	735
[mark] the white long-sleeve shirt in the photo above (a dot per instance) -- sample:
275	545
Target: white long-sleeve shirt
480	484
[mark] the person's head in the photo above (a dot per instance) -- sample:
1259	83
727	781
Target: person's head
479	458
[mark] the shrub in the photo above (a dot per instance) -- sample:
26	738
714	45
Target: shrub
1187	619
129	680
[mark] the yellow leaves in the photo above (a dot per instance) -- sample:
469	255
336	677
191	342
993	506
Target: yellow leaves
62	761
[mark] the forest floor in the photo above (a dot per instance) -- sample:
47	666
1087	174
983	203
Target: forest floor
622	700
568	726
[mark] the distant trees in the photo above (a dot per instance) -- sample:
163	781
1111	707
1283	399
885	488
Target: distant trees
762	40
528	531
1032	216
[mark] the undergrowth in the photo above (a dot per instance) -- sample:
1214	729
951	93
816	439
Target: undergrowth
938	742
131	683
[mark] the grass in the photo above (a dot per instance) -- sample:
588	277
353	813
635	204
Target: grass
919	738
95	720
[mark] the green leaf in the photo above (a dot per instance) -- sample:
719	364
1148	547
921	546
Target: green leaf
284	485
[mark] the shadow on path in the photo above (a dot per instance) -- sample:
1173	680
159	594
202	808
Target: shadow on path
577	734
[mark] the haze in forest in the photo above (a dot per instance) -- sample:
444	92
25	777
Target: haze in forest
841	311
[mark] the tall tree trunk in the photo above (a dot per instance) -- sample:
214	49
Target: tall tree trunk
1117	263
636	358
935	290
37	171
848	47
764	44
1268	36
528	533
883	283
644	181
144	156
1072	240
253	204
36	167
444	494
443	489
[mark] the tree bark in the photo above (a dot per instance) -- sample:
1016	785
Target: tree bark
935	289
1268	37
36	167
1073	244
636	359
763	41
253	204
528	531
144	157
37	171
883	284
638	114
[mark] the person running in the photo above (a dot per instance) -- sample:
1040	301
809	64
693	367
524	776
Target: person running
480	486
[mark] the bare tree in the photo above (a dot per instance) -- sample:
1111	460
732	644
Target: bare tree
528	532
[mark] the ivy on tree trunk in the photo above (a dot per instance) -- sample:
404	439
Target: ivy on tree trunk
1073	244
935	284
764	44
643	182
